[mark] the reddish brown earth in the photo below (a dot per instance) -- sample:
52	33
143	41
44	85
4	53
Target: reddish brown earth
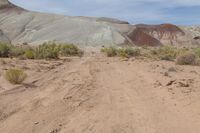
139	37
151	35
160	29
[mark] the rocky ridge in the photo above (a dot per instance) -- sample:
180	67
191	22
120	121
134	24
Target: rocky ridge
18	26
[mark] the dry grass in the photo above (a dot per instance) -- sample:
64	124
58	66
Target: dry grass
15	76
121	52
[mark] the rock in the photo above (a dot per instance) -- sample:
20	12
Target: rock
157	84
170	82
172	69
36	123
197	38
166	74
183	84
193	71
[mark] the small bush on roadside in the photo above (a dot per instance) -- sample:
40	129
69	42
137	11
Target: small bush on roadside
70	50
197	51
110	51
168	53
16	51
128	52
131	52
47	51
29	54
122	52
187	59
15	76
4	50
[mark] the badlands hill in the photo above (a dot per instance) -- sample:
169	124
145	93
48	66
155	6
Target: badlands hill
18	25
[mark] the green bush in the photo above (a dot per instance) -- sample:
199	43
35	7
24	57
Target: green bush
122	52
168	53
29	54
16	51
197	51
70	50
128	52
187	59
4	50
47	51
131	52
110	51
15	76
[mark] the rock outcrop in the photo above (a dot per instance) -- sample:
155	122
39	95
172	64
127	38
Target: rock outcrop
18	26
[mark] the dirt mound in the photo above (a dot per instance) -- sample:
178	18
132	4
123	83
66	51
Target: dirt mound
161	30
153	35
141	38
170	28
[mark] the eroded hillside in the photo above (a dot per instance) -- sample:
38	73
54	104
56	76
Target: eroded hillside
19	26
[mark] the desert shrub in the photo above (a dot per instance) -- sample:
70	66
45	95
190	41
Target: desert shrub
197	51
122	52
70	50
168	53
29	54
110	51
47	51
16	51
131	52
4	50
15	76
128	52
187	59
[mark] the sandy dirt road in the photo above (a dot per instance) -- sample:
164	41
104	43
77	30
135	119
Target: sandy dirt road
101	95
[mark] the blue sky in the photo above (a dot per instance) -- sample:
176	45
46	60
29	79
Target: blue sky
182	12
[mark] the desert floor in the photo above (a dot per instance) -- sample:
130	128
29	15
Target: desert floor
96	94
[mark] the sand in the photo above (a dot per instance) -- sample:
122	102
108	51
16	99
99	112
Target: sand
96	94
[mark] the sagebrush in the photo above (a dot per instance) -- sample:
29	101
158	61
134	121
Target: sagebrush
121	52
15	76
187	59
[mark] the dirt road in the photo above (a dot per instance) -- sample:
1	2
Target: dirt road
102	95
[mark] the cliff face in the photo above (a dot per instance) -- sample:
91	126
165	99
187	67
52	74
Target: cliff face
18	25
